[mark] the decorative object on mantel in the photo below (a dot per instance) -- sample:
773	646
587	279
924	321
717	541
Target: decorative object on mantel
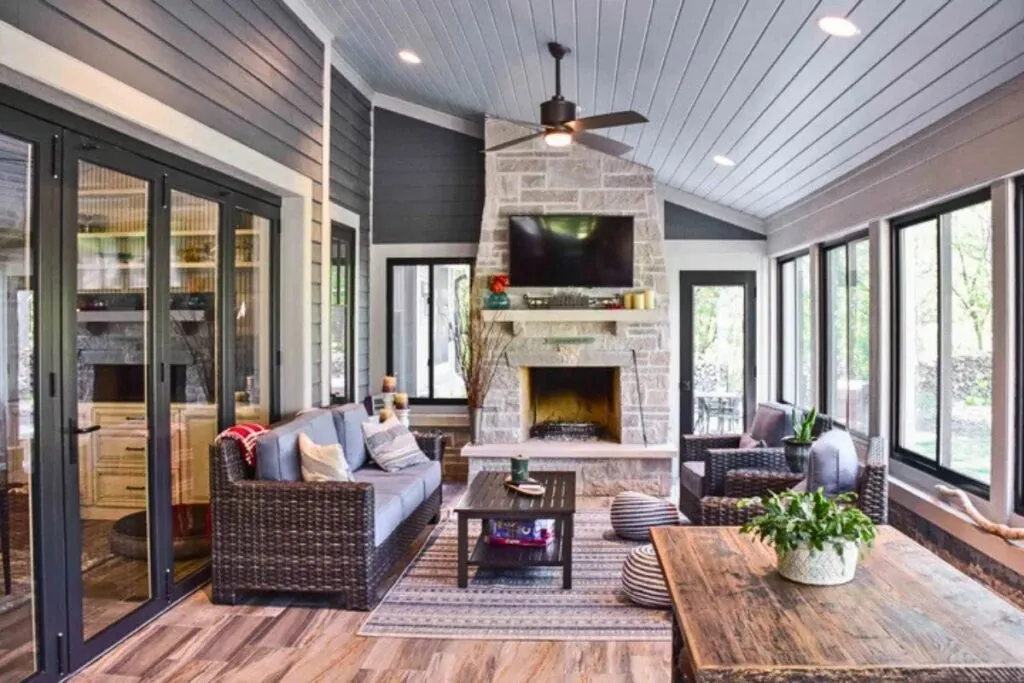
817	539
1003	531
480	345
570	299
649	299
798	446
520	469
529	487
498	300
537	301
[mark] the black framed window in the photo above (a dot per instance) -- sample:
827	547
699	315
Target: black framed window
846	326
342	298
428	319
1019	451
942	351
794	333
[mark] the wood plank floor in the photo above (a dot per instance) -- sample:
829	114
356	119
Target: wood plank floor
284	639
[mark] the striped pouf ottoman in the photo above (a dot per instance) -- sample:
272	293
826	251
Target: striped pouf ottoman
642	580
633	514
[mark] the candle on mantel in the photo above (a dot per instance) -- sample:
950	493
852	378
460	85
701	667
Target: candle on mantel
401	400
389	385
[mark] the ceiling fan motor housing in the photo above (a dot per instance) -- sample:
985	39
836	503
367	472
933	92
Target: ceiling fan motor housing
557	111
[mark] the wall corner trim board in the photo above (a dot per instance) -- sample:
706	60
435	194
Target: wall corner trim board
683	223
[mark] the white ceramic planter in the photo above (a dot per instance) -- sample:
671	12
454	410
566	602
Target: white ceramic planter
820	568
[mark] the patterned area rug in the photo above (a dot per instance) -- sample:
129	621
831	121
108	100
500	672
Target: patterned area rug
523	604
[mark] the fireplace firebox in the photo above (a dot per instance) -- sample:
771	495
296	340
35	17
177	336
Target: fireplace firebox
571	403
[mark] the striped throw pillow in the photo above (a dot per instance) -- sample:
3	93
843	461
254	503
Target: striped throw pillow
322	462
391	445
633	514
642	580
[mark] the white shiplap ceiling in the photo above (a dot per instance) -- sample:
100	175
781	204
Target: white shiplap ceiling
755	80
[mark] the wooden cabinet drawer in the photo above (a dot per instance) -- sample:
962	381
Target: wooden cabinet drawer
115	450
121	489
128	417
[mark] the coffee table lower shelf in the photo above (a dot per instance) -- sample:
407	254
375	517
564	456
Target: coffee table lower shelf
506	556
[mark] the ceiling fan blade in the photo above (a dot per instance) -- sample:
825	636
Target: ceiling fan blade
619	118
612	147
513	143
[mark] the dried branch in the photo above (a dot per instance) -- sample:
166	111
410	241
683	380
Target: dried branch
485	345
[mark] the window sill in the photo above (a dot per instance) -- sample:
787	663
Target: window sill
439	417
951	520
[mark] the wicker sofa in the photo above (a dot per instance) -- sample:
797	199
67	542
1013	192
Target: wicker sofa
278	533
872	489
707	459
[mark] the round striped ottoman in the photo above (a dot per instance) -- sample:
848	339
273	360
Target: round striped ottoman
642	580
633	514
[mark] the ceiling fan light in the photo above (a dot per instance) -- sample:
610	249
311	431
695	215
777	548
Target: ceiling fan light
558	138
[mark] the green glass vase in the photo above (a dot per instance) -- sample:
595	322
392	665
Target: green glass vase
498	301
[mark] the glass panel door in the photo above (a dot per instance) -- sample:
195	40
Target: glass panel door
18	387
251	375
111	371
342	297
717	378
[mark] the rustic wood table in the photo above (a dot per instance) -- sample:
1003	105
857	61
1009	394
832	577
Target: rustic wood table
907	616
487	498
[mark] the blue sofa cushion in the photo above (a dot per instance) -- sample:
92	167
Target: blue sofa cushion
387	515
347	421
277	451
412	485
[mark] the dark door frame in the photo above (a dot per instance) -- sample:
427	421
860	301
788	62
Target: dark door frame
688	279
346	234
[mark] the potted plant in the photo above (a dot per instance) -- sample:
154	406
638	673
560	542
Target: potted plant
817	539
798	447
498	298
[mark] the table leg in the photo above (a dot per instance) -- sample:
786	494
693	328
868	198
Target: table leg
463	550
5	539
567	531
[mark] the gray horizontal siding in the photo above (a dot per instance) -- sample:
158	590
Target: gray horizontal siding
351	133
428	182
682	223
247	68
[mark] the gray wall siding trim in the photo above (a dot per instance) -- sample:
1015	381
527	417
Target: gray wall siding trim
428	182
183	54
682	223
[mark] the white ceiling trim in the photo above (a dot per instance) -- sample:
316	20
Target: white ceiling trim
437	118
723	213
308	17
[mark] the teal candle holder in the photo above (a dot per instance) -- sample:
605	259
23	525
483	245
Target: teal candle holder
520	469
498	301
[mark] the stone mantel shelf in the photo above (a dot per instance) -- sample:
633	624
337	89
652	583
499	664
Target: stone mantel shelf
618	318
577	450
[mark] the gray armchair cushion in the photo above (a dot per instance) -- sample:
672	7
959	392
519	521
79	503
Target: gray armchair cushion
771	424
691	477
277	451
833	464
347	421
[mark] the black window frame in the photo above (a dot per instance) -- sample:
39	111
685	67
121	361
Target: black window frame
900	453
780	262
1018	212
341	233
390	266
825	328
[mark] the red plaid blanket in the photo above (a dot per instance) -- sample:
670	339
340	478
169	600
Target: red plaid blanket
245	436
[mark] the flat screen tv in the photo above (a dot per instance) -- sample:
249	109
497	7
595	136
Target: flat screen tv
571	250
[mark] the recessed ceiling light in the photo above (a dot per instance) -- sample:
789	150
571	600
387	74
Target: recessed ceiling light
841	27
409	57
723	160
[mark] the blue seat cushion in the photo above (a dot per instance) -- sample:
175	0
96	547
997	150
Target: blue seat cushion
387	515
407	488
277	451
347	421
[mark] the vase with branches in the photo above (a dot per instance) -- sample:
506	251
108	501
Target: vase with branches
480	344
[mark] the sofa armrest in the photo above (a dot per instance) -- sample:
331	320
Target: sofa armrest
746	483
723	511
694	446
722	460
432	444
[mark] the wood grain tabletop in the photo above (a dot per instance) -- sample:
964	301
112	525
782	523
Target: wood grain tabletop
906	616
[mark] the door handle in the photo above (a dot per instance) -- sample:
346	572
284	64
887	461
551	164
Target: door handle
87	430
75	430
687	385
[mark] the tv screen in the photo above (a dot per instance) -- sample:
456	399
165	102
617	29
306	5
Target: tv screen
568	250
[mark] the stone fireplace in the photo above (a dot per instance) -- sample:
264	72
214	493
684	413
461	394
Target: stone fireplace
609	368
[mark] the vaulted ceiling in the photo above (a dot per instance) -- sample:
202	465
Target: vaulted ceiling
755	80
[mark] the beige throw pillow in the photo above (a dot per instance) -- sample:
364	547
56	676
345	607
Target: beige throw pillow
322	463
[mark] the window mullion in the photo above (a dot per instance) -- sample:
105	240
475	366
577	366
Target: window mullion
944	364
430	330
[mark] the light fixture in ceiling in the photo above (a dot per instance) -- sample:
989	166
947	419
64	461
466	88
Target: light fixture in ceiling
558	138
840	27
723	160
409	57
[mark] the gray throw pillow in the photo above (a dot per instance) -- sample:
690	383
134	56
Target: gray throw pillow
748	441
392	446
770	425
833	464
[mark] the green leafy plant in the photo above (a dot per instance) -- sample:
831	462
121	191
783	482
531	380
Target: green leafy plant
803	428
792	518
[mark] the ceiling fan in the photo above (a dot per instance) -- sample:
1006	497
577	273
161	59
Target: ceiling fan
559	125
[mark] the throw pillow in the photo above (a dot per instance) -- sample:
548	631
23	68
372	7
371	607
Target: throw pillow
833	464
392	446
747	441
322	462
770	425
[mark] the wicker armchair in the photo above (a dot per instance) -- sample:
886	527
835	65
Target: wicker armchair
706	460
872	490
308	537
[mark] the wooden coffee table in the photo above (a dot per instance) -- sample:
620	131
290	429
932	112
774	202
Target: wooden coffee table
487	498
906	616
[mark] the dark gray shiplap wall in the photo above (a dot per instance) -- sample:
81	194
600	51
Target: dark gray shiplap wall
428	182
682	223
249	69
351	122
